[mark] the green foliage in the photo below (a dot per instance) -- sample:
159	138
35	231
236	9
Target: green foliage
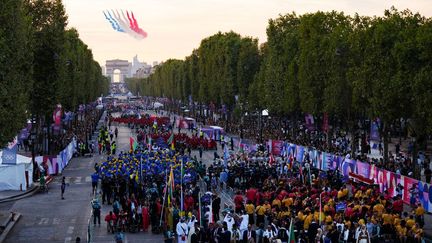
348	66
15	69
42	64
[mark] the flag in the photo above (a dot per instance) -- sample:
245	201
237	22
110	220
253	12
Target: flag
291	238
284	150
226	155
291	161
325	125
171	141
133	143
170	186
181	185
240	146
301	172
271	159
9	155
149	144
309	119
171	138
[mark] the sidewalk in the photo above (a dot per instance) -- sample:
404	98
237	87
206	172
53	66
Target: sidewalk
9	195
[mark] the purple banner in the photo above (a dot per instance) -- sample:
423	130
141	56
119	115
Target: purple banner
374	130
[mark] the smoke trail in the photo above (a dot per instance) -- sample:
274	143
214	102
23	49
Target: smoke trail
118	27
112	23
138	29
126	26
130	21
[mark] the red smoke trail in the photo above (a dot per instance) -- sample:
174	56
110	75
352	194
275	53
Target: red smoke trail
137	28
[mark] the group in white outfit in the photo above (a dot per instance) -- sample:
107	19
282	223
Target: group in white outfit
182	231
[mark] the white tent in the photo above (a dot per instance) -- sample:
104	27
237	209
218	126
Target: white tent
16	177
157	105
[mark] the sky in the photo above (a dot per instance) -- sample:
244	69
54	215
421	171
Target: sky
176	27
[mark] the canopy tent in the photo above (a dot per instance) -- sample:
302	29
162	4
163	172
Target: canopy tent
207	132
16	177
218	132
186	122
157	105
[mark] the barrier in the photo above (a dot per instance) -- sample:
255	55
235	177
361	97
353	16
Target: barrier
55	164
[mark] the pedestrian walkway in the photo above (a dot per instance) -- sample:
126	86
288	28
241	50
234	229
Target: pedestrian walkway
73	180
6	195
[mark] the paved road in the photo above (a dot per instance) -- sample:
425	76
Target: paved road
100	233
48	218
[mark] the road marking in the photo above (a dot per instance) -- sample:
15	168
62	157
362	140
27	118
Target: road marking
43	221
56	221
67	179
29	224
87	179
73	220
78	179
68	239
70	230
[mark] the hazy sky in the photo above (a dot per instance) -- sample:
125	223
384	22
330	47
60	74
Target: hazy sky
176	27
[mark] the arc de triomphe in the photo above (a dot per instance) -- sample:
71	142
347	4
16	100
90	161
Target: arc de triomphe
122	65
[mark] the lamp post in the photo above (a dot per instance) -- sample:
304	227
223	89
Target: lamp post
260	125
33	141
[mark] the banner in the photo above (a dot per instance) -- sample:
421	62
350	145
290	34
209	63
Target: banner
299	153
348	165
425	195
315	157
9	155
309	120
374	130
57	114
325	125
362	169
408	184
291	148
388	181
276	147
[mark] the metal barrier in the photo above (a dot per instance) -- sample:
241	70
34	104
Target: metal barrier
90	229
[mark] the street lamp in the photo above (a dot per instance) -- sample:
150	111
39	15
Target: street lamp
33	141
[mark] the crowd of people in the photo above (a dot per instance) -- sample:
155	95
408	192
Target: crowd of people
326	210
134	184
340	141
274	201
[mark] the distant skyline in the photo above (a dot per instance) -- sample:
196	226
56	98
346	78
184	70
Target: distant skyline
176	27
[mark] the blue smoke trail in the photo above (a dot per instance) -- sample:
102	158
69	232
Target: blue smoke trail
112	23
118	28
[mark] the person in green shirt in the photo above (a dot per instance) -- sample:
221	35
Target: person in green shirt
42	182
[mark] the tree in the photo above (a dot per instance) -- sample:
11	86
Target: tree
48	21
15	69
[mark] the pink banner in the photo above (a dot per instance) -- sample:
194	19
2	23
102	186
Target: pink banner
386	180
277	147
407	184
363	169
